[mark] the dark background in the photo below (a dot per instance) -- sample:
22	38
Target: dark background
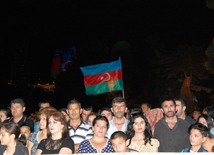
102	31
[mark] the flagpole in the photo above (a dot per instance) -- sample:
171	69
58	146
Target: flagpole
123	88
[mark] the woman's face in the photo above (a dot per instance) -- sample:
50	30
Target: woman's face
139	125
100	128
203	121
42	122
90	119
55	127
25	130
5	137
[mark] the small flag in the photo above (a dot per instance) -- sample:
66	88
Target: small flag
102	78
56	63
69	55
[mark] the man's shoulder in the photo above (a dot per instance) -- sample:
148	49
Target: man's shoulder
85	125
190	120
161	121
183	122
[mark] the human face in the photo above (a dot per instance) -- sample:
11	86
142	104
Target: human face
100	128
55	127
3	116
139	125
43	122
90	119
196	138
144	108
25	130
169	109
17	110
5	137
203	121
44	105
204	111
74	111
119	145
85	114
107	114
119	109
179	108
195	115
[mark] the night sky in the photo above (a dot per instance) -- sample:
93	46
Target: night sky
38	28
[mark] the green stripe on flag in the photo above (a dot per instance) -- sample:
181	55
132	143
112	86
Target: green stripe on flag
104	87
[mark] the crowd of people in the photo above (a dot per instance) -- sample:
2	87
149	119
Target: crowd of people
77	129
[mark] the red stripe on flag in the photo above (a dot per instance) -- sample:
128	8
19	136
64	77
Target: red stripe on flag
99	78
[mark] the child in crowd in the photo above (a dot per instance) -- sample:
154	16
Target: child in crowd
198	135
119	142
4	115
26	130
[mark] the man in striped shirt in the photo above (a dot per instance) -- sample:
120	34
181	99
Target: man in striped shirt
78	130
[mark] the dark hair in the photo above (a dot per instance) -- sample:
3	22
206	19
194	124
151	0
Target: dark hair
100	118
27	125
148	105
13	128
147	132
198	110
118	100
73	102
58	116
7	112
202	128
168	100
208	120
118	134
106	109
18	100
210	110
87	108
45	101
183	103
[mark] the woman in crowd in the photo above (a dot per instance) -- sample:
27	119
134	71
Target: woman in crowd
98	143
207	121
139	134
58	140
36	137
10	140
90	118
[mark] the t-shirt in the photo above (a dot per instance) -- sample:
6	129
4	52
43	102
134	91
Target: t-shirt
50	146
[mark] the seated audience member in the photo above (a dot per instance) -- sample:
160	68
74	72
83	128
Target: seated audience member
4	114
90	118
11	140
35	138
139	134
64	112
98	143
86	110
196	113
207	121
26	130
58	140
198	135
107	113
119	142
17	109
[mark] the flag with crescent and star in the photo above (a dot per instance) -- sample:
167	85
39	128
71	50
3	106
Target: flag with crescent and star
102	78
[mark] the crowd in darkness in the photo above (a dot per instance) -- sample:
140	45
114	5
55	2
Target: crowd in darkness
77	129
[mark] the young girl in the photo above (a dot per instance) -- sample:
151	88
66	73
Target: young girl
139	134
10	137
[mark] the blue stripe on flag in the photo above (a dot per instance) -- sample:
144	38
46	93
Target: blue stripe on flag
101	68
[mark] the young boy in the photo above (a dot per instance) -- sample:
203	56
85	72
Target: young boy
119	142
198	135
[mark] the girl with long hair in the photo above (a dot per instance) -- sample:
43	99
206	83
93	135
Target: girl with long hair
139	134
